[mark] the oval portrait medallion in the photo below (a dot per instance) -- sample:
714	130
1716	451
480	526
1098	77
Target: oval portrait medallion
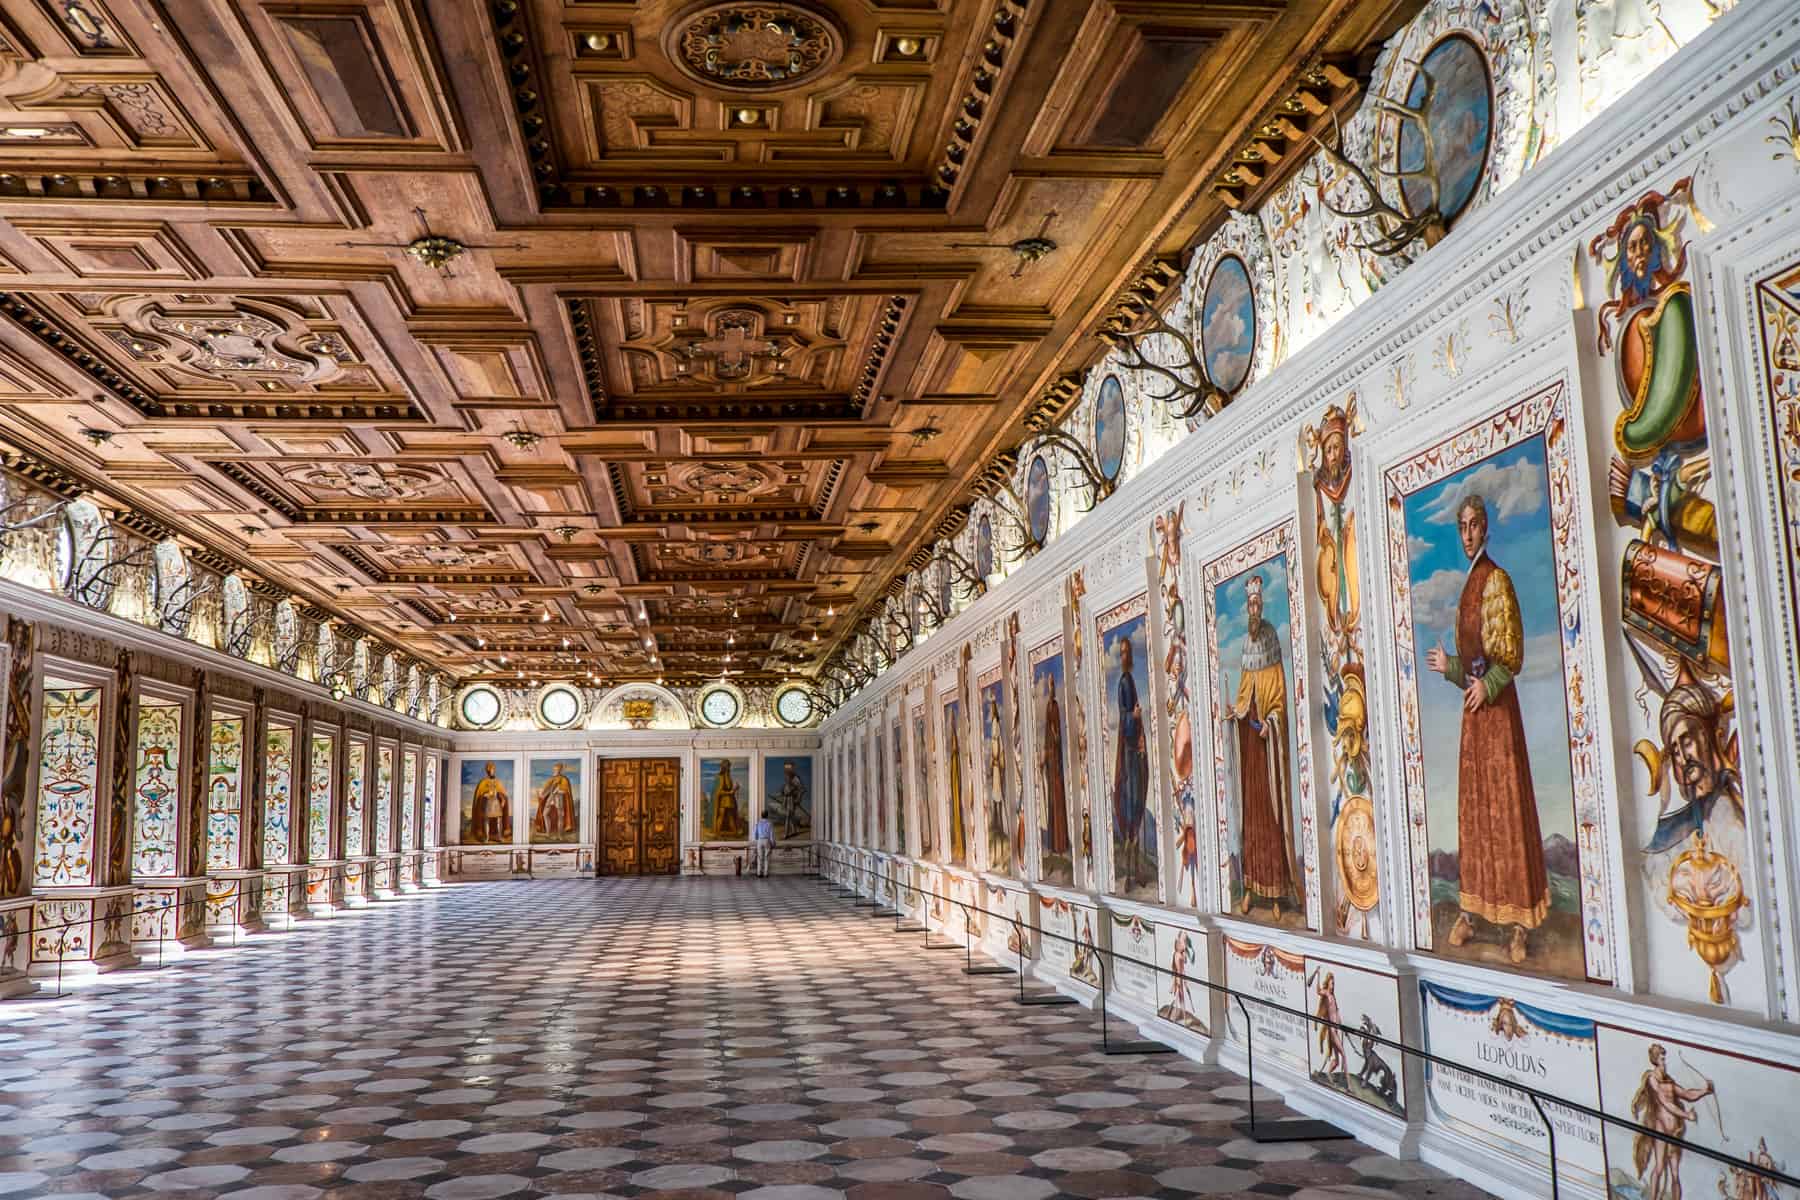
1037	499
1452	86
1228	324
1109	428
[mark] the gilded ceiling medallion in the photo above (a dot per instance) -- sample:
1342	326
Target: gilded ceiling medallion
753	47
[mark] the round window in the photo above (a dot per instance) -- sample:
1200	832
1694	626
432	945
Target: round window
480	707
794	706
720	706
558	706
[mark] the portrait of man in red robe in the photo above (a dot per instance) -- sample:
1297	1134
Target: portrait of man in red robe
1500	848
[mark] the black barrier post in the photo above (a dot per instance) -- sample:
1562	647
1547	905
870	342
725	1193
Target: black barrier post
1042	998
902	922
1290	1129
926	921
969	967
1142	1046
888	912
1555	1180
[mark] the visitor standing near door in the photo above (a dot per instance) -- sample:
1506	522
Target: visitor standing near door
762	838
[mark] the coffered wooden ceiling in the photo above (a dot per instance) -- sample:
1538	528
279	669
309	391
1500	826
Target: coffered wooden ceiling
734	317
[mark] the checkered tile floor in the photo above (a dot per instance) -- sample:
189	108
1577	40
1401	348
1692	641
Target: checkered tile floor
680	1037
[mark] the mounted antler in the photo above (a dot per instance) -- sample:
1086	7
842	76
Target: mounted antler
333	676
255	620
178	608
17	516
1083	462
963	575
1398	229
1188	397
899	624
876	649
995	485
95	574
933	609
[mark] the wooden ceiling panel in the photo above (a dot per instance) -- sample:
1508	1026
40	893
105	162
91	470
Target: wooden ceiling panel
354	77
673	321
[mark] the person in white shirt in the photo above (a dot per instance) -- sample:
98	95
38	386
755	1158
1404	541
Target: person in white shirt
762	839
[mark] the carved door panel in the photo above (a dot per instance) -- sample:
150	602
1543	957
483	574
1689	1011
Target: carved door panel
662	816
621	810
640	816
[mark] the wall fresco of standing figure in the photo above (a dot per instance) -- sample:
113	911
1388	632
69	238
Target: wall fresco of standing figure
1129	725
1050	785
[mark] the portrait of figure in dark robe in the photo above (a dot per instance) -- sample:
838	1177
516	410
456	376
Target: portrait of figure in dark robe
995	778
1493	708
1128	706
902	801
1056	862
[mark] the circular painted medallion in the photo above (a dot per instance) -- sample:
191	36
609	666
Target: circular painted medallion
1109	427
984	547
1037	499
1355	838
1228	324
1452	86
753	47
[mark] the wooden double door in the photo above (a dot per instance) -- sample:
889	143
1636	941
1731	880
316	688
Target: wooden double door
640	816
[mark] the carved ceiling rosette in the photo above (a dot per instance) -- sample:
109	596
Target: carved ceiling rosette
370	480
753	47
721	552
725	481
445	554
264	346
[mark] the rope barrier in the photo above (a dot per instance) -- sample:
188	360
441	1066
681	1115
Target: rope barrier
1538	1098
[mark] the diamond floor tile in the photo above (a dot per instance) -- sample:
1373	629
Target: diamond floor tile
693	1037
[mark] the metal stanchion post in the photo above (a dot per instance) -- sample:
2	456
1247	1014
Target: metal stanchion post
1143	1046
1555	1180
969	967
1043	998
1289	1129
